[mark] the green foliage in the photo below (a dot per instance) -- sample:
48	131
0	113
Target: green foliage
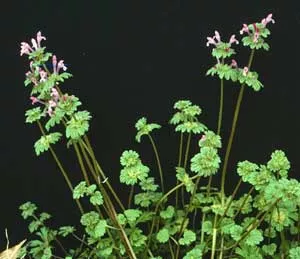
144	128
279	163
78	125
206	162
183	177
43	144
188	237
168	213
294	253
94	226
82	190
163	235
28	209
34	115
195	253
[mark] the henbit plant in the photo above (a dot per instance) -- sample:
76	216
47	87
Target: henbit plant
187	221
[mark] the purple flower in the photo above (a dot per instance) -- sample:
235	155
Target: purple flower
61	65
51	104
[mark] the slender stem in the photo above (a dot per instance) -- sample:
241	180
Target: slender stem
244	202
171	250
79	157
233	128
187	150
65	175
214	239
130	196
179	163
158	163
222	247
181	230
231	200
158	204
221	106
88	147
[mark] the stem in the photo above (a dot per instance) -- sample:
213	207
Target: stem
130	196
158	204
179	163
244	201
90	151
231	200
187	150
65	175
158	163
221	107
79	157
233	128
186	214
171	250
185	164
214	239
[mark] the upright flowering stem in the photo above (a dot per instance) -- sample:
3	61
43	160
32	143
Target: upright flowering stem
158	163
233	127
61	169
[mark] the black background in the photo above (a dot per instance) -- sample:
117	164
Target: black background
136	58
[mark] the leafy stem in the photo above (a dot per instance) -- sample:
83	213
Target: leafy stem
64	173
158	162
233	128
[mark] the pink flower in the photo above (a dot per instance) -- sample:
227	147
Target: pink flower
245	71
233	40
233	63
39	38
54	94
58	66
61	65
203	138
217	36
51	104
43	75
34	100
25	48
36	43
213	40
267	20
244	29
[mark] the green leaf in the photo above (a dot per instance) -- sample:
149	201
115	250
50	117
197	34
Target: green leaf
131	175
79	190
163	235
190	127
206	163
195	253
66	230
210	139
55	119
144	128
279	163
294	253
168	213
269	249
148	184
43	144
28	209
254	238
248	252
96	198
132	214
34	115
188	237
78	125
129	158
100	228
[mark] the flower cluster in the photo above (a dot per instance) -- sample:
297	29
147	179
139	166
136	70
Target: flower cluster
40	75
256	33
